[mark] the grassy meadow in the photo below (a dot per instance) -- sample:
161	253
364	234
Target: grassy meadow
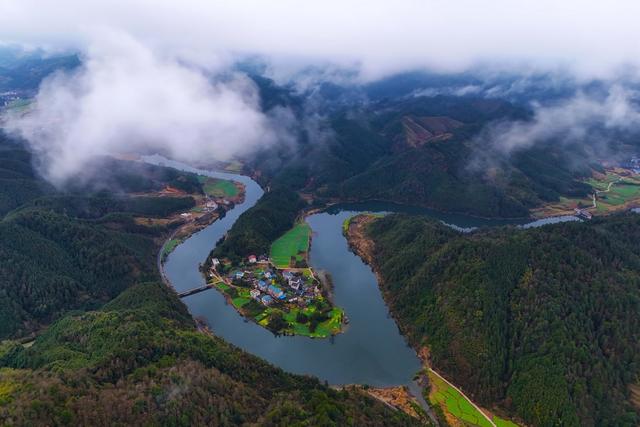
294	243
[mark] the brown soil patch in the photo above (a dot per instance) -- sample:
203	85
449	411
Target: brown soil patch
357	237
635	395
398	397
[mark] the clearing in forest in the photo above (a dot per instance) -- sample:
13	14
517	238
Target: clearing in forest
293	244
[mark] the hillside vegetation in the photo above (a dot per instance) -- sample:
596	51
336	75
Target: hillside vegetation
428	151
258	227
140	361
115	346
544	322
79	248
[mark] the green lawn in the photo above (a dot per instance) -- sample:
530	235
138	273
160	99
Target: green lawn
238	302
323	330
455	403
218	187
169	247
626	190
500	422
294	243
222	286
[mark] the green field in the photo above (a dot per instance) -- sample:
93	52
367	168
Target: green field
169	247
240	301
624	193
222	286
451	401
323	330
294	243
500	422
218	187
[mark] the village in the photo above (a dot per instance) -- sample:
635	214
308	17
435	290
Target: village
614	188
218	197
268	284
285	299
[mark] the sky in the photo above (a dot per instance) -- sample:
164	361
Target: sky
592	38
147	63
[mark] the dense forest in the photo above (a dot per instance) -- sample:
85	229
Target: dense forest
544	322
139	360
258	227
78	248
426	151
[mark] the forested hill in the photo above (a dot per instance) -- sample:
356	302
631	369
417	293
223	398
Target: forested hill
115	346
258	227
426	151
140	361
544	322
78	248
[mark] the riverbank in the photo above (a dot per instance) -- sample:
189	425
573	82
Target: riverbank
209	207
455	408
280	292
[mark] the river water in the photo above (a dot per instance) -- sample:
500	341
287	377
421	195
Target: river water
371	350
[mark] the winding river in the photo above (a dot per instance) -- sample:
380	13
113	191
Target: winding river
370	351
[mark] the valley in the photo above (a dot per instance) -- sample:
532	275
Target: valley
614	190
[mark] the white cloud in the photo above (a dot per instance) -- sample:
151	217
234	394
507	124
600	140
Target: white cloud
143	83
579	119
592	38
126	99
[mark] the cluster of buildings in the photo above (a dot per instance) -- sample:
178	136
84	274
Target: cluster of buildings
633	164
269	285
210	205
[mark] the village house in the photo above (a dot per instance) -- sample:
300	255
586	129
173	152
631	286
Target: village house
296	283
266	300
238	274
252	259
255	294
215	262
582	213
287	274
262	285
276	292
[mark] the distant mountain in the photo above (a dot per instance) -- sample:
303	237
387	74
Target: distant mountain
24	70
425	151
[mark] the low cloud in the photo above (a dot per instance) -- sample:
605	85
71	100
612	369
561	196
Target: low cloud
585	119
156	75
126	98
375	37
